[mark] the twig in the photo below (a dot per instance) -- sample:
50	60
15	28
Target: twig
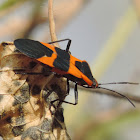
52	23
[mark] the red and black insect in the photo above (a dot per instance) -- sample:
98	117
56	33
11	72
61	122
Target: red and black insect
63	63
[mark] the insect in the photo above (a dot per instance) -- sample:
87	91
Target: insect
64	64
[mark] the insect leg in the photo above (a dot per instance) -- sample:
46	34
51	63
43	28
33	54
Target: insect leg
29	73
76	97
68	87
24	72
76	94
68	45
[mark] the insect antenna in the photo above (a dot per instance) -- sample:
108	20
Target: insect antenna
119	94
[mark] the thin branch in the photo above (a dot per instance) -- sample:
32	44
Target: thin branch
52	23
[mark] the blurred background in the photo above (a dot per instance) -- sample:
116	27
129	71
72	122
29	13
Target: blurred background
104	33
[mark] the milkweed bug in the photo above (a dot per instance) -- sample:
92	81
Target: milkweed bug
64	64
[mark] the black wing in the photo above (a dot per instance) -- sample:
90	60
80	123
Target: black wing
62	61
84	68
33	49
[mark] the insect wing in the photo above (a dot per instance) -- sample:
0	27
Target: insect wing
32	49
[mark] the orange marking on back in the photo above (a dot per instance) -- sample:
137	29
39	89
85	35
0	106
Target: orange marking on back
73	59
73	70
87	80
76	72
48	60
49	46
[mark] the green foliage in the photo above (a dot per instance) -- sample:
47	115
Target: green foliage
9	3
109	130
